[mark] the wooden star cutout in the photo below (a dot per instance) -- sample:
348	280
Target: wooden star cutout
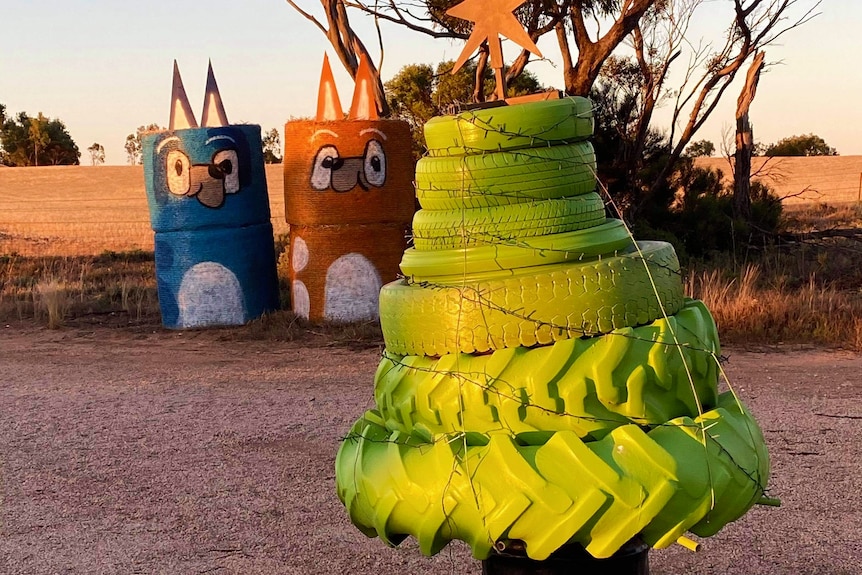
492	18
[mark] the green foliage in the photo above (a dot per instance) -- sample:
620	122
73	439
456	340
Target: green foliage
628	162
272	147
418	92
700	148
38	141
804	145
133	143
700	223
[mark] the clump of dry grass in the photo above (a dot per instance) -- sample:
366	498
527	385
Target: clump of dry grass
51	300
750	308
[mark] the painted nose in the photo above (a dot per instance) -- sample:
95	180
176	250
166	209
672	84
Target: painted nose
221	170
207	184
347	173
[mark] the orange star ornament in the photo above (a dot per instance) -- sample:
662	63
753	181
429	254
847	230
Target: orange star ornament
492	18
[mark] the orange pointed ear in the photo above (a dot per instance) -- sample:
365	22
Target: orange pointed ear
363	106
328	105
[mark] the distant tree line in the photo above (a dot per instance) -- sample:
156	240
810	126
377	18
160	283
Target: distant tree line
271	145
35	141
803	145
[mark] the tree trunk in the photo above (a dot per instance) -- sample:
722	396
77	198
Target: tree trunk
745	142
592	54
742	169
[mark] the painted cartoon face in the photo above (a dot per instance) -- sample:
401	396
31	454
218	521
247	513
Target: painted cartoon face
191	172
331	171
204	177
208	180
365	160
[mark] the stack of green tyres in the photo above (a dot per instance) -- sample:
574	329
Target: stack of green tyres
544	378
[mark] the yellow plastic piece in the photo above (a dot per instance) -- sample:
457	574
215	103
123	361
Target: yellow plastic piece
692	546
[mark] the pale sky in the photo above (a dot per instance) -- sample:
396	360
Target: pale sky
105	68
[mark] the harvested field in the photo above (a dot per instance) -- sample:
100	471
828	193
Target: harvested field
84	210
187	452
803	180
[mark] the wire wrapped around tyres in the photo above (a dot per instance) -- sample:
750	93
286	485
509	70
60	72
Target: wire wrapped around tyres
534	305
644	375
546	386
591	441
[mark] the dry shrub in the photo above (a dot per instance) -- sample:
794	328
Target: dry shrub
752	311
51	301
813	217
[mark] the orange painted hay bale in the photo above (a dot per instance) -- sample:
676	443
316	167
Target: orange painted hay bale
348	172
336	272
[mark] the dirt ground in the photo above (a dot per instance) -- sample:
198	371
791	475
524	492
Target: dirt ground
185	453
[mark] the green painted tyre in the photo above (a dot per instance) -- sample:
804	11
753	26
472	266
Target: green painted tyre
644	375
548	489
455	229
500	178
475	262
530	125
532	306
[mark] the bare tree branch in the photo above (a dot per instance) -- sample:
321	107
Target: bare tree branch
757	23
347	45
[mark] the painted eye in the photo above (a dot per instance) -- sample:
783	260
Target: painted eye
177	168
226	165
375	163
324	162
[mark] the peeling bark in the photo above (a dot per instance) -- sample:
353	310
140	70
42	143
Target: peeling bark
745	141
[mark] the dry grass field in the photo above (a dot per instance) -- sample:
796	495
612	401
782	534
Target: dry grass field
84	210
68	235
816	179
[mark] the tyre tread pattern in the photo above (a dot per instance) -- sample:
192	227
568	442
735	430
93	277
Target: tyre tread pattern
501	178
645	375
465	264
688	474
535	307
452	229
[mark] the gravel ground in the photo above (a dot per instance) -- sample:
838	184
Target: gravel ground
184	453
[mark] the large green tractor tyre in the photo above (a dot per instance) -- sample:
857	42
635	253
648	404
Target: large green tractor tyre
532	306
549	489
500	178
531	125
454	229
644	375
464	264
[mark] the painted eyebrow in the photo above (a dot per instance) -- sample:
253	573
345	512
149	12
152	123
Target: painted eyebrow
166	141
327	132
375	130
222	137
